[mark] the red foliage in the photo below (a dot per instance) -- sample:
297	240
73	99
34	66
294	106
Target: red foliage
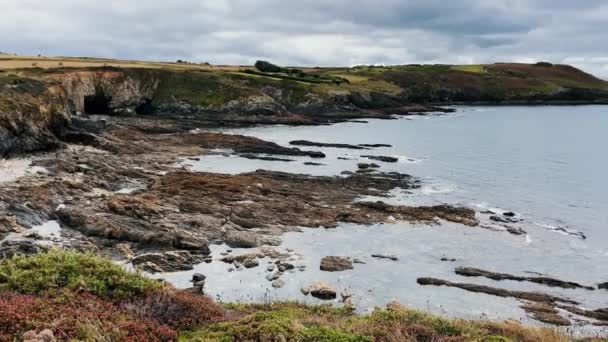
178	309
76	316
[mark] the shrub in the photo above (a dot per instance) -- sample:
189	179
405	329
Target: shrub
544	64
265	66
56	270
75	316
178	309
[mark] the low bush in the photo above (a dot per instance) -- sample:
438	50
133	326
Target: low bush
57	270
75	316
178	309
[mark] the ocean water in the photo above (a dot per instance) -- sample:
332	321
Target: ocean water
546	163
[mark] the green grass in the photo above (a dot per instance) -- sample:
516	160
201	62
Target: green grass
53	271
301	323
475	68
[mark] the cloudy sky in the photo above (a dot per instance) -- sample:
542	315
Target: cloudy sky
313	32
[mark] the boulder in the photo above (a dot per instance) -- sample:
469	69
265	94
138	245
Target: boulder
240	239
336	264
320	290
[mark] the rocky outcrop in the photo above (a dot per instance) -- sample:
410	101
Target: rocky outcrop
320	290
336	264
475	272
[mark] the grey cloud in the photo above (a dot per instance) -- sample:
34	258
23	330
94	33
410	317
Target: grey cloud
313	32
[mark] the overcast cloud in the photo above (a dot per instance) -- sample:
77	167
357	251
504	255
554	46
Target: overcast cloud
313	32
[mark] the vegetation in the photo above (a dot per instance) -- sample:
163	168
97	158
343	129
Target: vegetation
297	322
92	299
55	271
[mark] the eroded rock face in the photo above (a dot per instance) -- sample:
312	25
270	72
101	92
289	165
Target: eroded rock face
336	264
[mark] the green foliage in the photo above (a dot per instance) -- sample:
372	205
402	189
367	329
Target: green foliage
57	270
265	66
196	88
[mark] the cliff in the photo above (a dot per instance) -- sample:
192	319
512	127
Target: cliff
38	106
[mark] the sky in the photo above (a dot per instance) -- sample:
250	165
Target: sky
313	32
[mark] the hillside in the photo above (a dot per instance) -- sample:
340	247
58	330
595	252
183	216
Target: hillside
40	96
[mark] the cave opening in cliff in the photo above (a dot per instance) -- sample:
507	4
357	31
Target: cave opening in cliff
97	104
145	107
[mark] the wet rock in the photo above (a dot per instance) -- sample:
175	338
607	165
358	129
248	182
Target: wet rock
240	259
365	166
265	158
502	219
273	276
552	282
285	266
531	296
603	286
384	256
277	284
251	263
313	164
196	277
320	290
516	231
271	268
10	248
599	314
446	259
509	214
240	239
165	261
375	145
384	159
318	144
336	264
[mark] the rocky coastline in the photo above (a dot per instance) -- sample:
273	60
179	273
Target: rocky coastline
115	185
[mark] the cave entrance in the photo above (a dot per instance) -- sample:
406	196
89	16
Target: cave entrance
97	104
145	107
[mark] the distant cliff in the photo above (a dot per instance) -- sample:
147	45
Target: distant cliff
37	106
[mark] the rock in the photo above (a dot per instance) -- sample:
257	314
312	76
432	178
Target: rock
509	214
336	264
277	284
43	336
446	259
384	159
375	145
268	240
531	296
552	282
603	286
9	248
313	164
165	261
192	243
365	166
382	256
271	268
504	219
251	263
196	277
265	158
285	266
516	231
240	239
318	144
320	290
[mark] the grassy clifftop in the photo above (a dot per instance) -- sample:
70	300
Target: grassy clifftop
84	297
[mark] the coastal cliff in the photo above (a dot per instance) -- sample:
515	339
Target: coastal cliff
38	106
